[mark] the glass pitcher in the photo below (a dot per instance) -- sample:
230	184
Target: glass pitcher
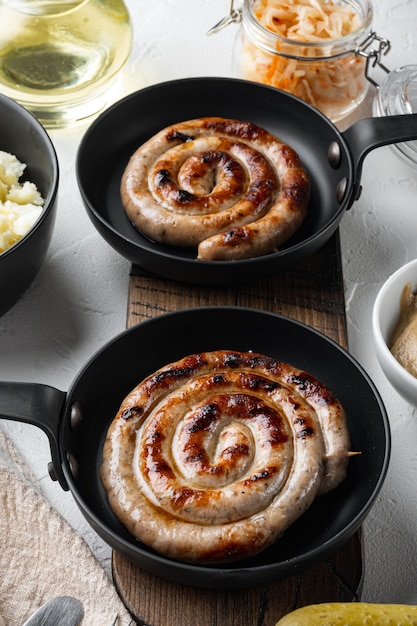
58	58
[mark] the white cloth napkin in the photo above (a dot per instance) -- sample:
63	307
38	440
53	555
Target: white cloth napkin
41	556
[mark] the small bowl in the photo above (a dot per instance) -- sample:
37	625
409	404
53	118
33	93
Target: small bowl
22	135
385	316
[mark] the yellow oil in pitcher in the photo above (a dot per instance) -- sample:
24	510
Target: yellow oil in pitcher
58	58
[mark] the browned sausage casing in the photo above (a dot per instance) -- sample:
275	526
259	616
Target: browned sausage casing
212	457
228	187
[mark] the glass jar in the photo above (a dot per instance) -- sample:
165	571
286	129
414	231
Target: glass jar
325	72
397	95
58	58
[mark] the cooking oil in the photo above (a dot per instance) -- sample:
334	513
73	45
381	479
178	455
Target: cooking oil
58	58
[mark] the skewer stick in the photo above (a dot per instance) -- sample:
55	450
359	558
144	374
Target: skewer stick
348	454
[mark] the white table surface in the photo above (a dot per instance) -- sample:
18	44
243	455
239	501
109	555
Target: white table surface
79	300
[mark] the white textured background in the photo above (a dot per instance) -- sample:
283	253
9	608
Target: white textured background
79	299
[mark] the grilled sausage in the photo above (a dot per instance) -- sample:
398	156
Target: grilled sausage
228	187
211	458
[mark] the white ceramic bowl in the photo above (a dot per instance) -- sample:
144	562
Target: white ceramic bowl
384	318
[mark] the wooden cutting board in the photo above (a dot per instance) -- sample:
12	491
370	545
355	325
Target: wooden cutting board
312	293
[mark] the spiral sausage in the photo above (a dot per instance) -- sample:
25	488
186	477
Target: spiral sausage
212	457
228	187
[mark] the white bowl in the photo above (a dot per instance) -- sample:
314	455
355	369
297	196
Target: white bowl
385	316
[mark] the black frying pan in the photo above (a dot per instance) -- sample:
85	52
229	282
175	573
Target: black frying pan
76	423
333	160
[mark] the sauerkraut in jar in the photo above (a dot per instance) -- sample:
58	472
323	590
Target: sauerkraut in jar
307	48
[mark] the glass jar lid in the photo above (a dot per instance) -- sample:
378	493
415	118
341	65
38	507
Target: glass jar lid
397	95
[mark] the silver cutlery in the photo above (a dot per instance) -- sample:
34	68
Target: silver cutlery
59	611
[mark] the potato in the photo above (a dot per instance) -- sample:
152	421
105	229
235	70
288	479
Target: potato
20	204
352	614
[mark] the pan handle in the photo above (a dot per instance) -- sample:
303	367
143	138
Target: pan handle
367	134
39	405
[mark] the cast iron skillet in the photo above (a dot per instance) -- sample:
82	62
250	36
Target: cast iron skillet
335	181
76	423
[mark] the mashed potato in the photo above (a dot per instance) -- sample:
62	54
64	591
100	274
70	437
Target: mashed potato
20	204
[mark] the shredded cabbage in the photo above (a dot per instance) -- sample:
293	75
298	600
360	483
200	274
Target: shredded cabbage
335	86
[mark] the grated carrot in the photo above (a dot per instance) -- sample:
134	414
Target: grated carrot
333	85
